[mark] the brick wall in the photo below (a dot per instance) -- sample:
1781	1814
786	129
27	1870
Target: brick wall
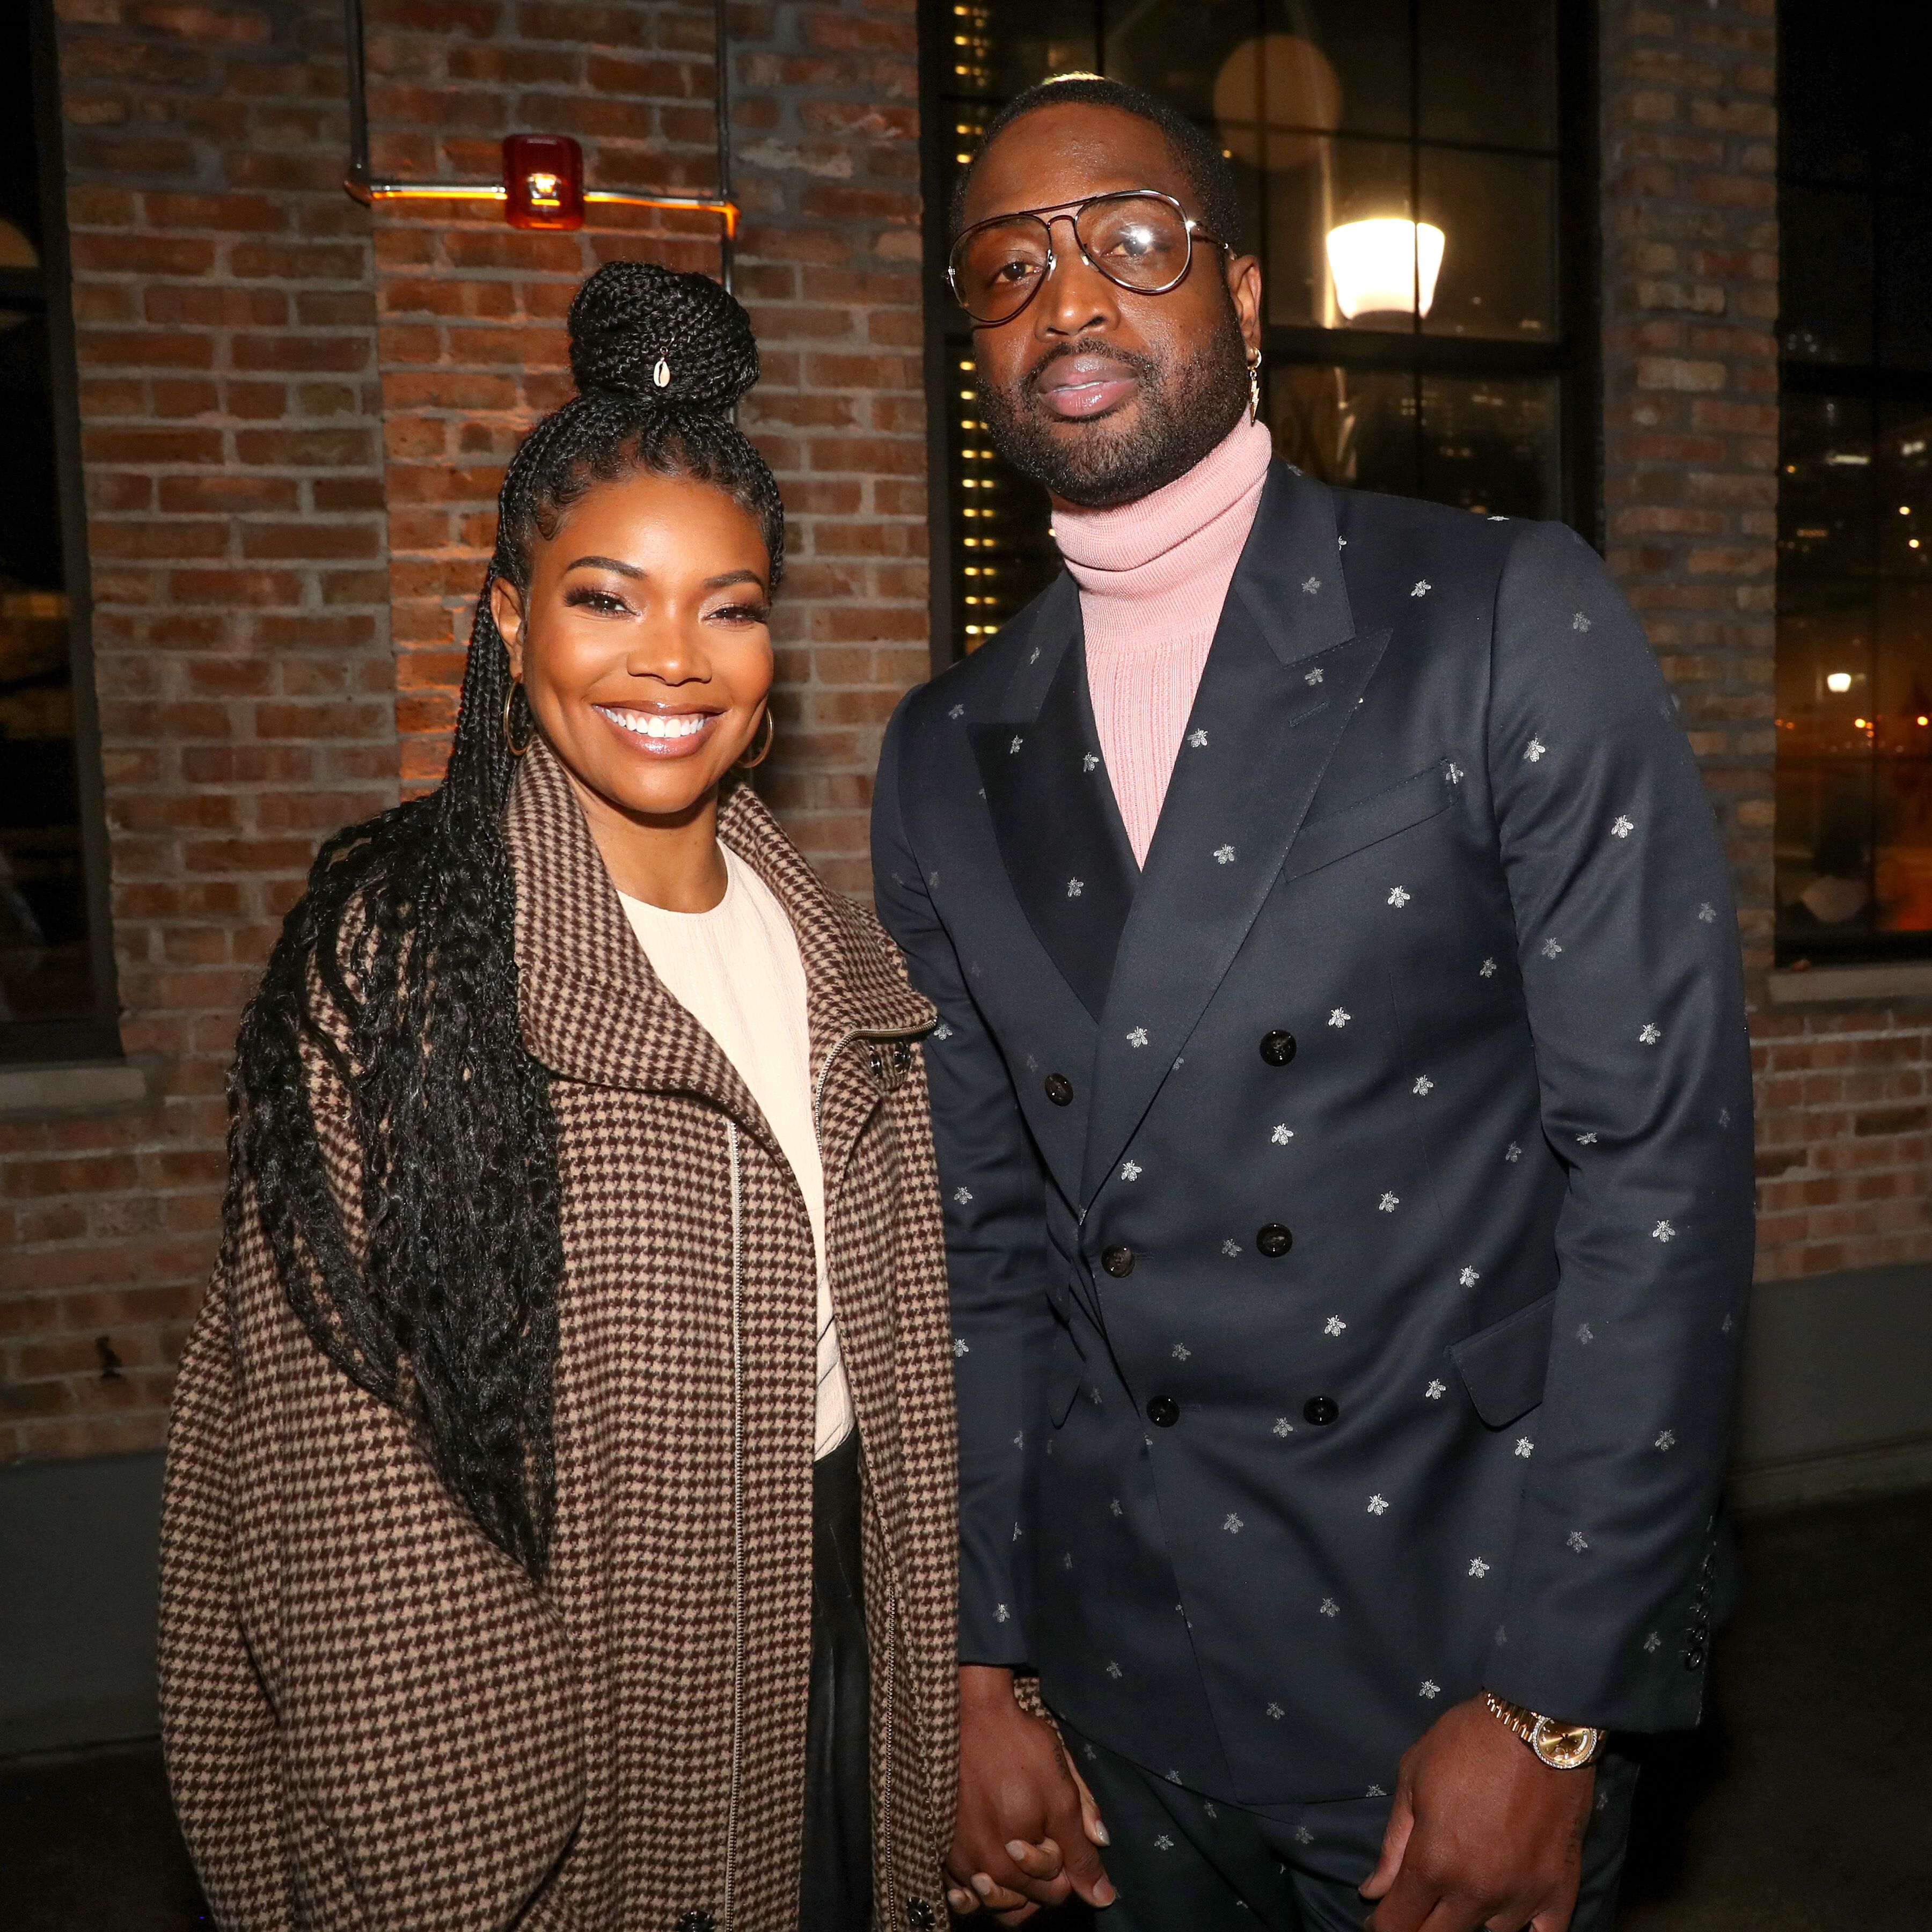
1690	495
224	304
472	344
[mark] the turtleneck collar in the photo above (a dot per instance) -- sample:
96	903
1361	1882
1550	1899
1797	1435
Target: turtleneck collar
1148	549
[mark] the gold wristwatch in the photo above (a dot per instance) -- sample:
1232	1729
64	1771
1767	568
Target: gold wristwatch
1561	1746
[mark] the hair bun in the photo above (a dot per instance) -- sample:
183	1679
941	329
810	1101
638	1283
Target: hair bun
638	329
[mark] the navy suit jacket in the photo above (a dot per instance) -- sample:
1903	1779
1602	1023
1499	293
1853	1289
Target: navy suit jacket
1350	1217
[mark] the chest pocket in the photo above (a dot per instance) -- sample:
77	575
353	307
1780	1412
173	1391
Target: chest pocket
1338	835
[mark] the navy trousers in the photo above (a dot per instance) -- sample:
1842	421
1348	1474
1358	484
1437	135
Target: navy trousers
1184	1863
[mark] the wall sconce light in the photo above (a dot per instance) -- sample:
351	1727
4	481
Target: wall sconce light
1838	680
1385	264
543	182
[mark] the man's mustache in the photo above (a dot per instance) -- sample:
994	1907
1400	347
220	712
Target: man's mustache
1144	367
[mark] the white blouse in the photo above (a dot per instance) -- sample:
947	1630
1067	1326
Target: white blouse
737	971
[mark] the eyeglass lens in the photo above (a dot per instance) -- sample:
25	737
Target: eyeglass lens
1138	242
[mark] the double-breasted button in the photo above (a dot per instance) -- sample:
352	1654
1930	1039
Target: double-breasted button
1274	1241
1119	1262
1060	1089
1278	1047
919	1915
1164	1411
1321	1410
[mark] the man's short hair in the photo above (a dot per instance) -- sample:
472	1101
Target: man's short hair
1209	176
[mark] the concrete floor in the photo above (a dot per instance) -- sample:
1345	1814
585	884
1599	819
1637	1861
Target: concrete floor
1801	1806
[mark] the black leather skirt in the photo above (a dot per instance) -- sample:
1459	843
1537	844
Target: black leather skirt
836	1892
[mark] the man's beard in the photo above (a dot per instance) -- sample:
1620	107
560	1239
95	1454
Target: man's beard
1186	408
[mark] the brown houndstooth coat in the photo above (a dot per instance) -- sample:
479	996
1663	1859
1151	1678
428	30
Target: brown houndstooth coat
373	1718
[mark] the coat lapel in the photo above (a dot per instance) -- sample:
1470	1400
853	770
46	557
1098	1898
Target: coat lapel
593	1010
1281	680
1058	828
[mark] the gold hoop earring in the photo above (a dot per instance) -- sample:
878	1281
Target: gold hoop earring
517	751
771	730
1255	387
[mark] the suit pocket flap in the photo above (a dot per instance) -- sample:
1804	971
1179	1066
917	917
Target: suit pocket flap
1379	816
1503	1365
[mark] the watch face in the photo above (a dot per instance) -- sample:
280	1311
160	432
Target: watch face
1563	1747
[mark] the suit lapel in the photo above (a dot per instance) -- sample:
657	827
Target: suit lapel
1282	681
1054	815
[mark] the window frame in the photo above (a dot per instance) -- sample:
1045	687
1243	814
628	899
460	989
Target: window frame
1878	384
48	289
1575	360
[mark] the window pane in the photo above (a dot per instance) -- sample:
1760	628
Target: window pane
1902	874
1345	426
1825	694
1498	215
1824	847
1314	186
45	972
1367	43
1902	673
1487	72
1825	498
996	49
1492	445
1826	299
1826	123
1904	492
1905	284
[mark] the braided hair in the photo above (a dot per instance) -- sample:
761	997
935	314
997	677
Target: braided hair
396	968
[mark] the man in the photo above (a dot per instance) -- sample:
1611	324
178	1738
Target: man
1343	1104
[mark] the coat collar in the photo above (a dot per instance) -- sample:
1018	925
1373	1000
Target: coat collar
593	1009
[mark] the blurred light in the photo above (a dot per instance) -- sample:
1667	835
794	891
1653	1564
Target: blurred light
1388	263
1861	724
1838	680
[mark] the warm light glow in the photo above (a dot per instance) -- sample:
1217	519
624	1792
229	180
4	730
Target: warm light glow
1385	264
1838	680
1860	724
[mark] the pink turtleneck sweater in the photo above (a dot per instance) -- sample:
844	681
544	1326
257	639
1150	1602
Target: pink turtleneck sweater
1152	578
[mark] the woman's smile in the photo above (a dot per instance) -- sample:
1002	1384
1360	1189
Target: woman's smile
658	733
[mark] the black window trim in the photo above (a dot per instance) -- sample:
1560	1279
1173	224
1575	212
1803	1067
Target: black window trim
98	1036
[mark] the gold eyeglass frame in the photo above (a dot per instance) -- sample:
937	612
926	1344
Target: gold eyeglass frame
1072	212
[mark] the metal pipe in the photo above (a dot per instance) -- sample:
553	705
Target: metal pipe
369	189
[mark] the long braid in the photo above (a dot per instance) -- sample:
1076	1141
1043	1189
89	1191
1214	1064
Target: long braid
403	945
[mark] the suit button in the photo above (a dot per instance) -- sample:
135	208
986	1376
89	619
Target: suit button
1278	1047
1165	1410
1274	1241
698	1921
919	1915
1119	1262
1321	1410
1060	1089
1693	1659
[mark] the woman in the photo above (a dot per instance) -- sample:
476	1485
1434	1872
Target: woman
512	1568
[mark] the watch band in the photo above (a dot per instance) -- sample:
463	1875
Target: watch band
1561	1746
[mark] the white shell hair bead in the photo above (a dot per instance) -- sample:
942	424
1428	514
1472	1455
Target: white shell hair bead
660	375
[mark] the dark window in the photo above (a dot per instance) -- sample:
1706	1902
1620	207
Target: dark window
1448	352
1854	837
56	988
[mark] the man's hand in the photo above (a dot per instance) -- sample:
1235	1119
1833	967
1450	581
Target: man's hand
1482	1833
1027	1824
